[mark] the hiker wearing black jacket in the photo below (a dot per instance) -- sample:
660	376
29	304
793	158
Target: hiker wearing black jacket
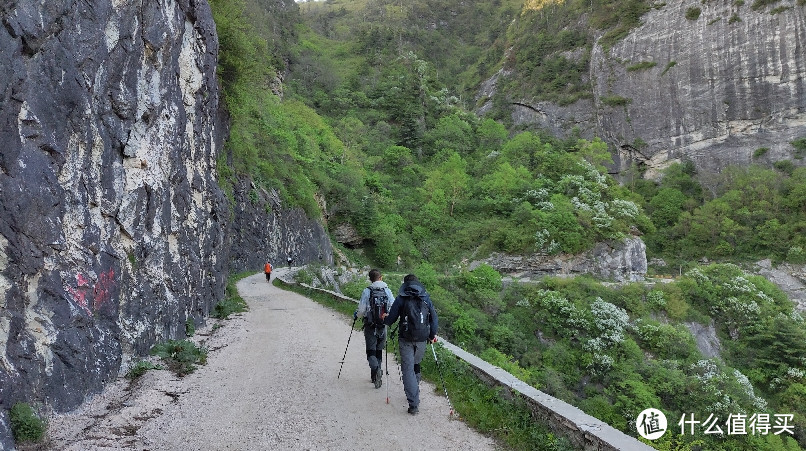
418	326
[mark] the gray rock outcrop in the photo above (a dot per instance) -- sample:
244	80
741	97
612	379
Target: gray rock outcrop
791	279
624	261
262	229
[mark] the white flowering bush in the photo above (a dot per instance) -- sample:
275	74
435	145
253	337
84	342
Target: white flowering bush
656	299
545	243
734	298
759	403
723	393
609	321
621	208
560	314
601	364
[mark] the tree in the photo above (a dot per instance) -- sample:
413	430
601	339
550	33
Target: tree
451	178
666	206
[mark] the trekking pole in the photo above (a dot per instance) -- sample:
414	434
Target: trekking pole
399	369
345	349
439	368
386	331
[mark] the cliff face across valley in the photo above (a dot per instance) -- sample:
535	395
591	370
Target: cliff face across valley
712	89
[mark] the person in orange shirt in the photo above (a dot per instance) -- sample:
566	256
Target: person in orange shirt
267	270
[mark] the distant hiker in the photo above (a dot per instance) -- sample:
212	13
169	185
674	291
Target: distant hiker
267	271
376	302
417	327
289	260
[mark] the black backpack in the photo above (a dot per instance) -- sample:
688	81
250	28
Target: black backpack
415	322
377	307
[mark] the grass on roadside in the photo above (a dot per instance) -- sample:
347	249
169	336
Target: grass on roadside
181	356
140	368
232	302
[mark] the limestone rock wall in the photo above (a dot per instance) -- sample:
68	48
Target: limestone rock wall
112	224
263	230
724	85
623	261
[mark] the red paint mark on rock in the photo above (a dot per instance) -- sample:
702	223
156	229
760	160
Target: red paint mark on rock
91	297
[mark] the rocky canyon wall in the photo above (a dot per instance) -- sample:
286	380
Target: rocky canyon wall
113	228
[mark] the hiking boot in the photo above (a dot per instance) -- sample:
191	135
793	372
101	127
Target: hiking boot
413	410
378	378
372	373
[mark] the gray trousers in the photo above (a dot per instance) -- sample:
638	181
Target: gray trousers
376	342
411	354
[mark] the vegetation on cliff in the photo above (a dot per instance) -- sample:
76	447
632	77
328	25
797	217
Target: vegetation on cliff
374	119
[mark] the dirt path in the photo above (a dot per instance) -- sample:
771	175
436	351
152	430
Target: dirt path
270	383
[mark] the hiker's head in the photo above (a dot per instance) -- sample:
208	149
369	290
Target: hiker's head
374	275
410	278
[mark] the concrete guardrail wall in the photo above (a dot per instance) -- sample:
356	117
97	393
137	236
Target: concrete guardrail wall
581	429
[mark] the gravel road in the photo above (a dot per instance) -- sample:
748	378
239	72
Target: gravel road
270	383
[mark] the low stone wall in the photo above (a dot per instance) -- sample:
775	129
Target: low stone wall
583	430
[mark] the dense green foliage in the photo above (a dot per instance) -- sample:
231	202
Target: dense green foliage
26	426
741	214
615	351
374	120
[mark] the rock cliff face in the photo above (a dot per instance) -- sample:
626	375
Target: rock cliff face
112	220
623	261
724	85
113	229
262	230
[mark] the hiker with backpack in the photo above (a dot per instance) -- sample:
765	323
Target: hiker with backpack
267	270
417	327
376	301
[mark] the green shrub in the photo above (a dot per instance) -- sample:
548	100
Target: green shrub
669	65
232	302
26	424
483	277
140	368
643	65
304	276
760	152
181	356
734	18
615	101
796	255
785	166
800	147
190	327
693	13
354	288
758	4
